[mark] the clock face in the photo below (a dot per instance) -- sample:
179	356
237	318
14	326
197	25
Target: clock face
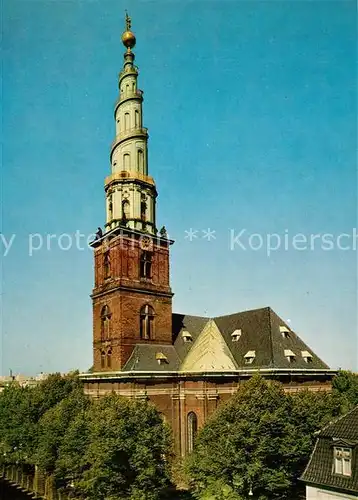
146	243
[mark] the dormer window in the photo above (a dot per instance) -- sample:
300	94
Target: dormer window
285	332
249	357
342	461
307	356
161	358
235	336
289	355
187	336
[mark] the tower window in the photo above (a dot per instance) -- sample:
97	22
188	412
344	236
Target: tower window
192	428
105	323
143	210
140	158
125	209
147	322
109	358
106	266
126	121
103	359
126	161
146	264
136	118
110	207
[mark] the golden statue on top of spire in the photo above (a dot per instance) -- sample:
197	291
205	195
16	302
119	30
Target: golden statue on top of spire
128	37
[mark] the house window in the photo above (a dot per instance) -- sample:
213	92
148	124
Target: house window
289	355
187	336
235	336
105	323
147	322
146	265
285	332
250	357
106	266
343	461
192	425
307	356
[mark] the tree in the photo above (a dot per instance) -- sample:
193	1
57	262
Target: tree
261	439
53	426
116	449
21	409
345	383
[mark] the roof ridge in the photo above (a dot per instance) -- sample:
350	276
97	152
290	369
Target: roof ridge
331	424
241	312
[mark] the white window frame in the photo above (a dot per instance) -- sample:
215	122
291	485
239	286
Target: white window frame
342	461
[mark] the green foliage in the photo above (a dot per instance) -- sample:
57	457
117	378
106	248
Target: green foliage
123	453
21	409
110	449
345	384
261	438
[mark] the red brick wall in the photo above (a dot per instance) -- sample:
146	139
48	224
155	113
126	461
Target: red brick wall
125	293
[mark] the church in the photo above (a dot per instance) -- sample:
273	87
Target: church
185	365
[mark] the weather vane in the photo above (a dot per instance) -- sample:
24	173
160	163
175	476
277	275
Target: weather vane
128	22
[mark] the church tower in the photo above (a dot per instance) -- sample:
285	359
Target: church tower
132	298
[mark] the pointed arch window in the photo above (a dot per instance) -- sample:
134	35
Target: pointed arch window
147	322
125	209
106	265
105	323
192	429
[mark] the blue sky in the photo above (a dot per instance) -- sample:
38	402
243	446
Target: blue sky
251	111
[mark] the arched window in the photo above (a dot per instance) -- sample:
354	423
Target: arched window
147	322
110	207
143	210
126	121
125	209
105	323
127	89
136	118
109	358
126	161
106	265
146	264
140	160
103	359
133	86
192	428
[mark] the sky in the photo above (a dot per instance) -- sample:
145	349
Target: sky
251	108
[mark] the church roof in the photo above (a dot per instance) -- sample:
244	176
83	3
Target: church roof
256	339
260	331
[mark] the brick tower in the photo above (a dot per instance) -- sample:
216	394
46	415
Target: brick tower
132	298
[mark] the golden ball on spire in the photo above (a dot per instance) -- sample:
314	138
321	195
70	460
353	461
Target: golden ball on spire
128	39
